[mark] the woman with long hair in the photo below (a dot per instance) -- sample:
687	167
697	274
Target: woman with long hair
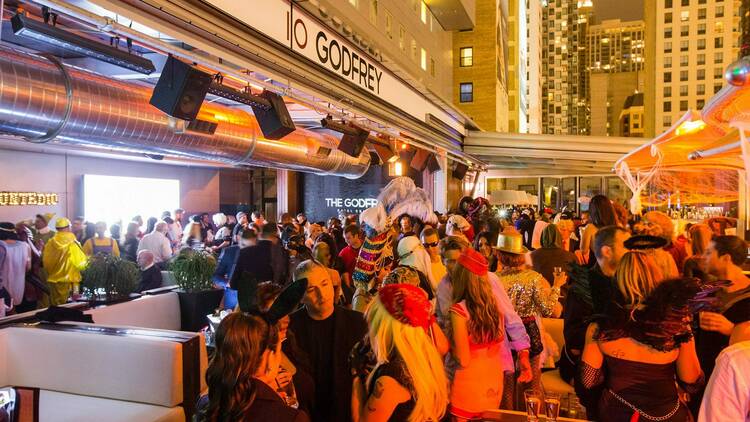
246	362
192	236
601	214
477	329
130	244
483	243
645	342
408	382
700	237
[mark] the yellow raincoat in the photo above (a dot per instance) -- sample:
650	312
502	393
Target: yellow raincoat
63	259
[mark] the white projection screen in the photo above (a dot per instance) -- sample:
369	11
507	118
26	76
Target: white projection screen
117	199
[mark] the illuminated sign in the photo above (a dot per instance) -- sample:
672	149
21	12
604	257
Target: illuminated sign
362	203
28	198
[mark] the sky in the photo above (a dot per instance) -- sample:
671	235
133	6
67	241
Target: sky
624	10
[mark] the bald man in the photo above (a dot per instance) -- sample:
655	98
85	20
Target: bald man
150	273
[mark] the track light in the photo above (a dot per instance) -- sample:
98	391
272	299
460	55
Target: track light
354	137
48	34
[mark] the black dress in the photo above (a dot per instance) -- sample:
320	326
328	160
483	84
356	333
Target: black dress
267	406
395	369
646	386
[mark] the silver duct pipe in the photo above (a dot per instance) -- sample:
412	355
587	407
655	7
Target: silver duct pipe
42	100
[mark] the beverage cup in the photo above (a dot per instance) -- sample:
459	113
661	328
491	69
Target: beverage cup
533	400
552	406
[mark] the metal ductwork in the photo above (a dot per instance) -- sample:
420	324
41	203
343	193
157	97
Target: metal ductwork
42	100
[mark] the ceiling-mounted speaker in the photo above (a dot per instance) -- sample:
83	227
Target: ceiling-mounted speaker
385	153
419	161
275	122
352	144
375	159
459	170
181	89
433	165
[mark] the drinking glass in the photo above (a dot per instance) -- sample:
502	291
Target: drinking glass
552	406
533	399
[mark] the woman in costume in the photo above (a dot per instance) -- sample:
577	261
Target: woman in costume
408	382
641	344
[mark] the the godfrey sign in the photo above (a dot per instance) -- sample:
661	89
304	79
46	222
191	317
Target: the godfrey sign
290	25
360	203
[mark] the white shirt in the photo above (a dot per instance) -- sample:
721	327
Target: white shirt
13	269
157	243
727	396
177	232
536	236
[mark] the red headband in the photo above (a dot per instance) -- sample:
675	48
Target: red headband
474	262
406	303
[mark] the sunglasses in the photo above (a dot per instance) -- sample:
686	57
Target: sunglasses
430	245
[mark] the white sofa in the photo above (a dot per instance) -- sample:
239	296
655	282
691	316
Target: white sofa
88	376
160	312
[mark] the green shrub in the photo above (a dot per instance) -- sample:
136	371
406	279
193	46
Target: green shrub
110	276
193	270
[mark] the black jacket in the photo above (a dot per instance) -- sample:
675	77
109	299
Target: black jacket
150	279
255	260
267	406
349	328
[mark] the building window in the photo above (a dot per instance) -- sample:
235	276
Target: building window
667	3
683	105
702	13
414	49
701	1
700	103
667	32
467	92
701	59
401	38
683	90
423	59
667	76
353	2
684	60
719	12
684	15
667	121
684	45
701	29
700	89
718	73
667	107
686	2
717	87
374	12
432	67
668	46
701	43
389	25
683	75
701	74
718	42
718	57
667	62
719	27
423	11
466	57
685	30
668	17
667	91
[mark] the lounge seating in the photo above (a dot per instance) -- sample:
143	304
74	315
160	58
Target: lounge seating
160	312
90	373
551	379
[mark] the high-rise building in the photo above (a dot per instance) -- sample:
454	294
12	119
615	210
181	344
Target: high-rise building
614	60
480	67
631	117
689	44
564	24
524	66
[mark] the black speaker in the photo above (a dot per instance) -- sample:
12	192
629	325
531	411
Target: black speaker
459	170
275	123
353	144
180	90
433	164
375	159
419	161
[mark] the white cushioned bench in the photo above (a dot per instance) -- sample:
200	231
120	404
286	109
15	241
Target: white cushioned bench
160	312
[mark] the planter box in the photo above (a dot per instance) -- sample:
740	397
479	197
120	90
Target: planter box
195	306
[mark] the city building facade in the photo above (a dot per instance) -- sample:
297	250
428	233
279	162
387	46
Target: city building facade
689	44
524	66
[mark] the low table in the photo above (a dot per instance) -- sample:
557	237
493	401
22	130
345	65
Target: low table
515	416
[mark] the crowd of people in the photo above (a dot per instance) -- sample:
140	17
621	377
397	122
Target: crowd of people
656	323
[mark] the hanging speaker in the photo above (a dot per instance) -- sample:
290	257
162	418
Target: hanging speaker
385	153
459	170
181	89
353	144
275	123
419	161
433	165
375	159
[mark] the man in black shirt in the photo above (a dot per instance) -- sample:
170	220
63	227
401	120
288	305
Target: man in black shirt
150	273
260	262
327	334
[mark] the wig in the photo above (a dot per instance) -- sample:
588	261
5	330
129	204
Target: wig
424	365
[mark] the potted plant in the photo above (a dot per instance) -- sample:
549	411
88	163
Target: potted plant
193	271
109	279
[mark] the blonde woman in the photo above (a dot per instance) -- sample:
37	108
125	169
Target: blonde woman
408	382
192	236
644	339
700	237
